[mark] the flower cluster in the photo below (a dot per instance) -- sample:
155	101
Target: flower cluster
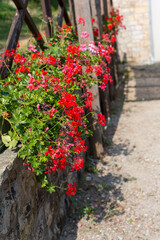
112	24
45	97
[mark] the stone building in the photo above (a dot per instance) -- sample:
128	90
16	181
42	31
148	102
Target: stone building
140	42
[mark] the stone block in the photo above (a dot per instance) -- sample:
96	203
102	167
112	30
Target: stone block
28	212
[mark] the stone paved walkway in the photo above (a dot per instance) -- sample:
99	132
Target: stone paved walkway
119	198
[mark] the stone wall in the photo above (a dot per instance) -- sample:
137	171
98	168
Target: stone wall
134	42
28	212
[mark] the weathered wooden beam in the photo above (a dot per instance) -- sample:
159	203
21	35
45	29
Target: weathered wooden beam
115	63
13	36
104	8
109	5
47	16
60	15
72	14
104	95
82	9
20	5
115	56
16	27
96	14
65	14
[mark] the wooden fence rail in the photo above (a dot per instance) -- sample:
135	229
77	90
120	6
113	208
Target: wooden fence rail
21	15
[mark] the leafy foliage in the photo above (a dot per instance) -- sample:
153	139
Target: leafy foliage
44	99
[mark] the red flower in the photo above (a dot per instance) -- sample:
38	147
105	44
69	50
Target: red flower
98	70
22	69
71	190
110	26
30	86
81	21
69	24
92	21
89	69
101	119
96	32
73	50
65	28
50	151
43	72
10	53
113	38
18	45
78	163
39	37
51	112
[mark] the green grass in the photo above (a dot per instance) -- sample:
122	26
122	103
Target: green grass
6	15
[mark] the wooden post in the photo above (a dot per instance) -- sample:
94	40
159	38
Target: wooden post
104	95
13	36
20	5
47	15
104	8
14	33
60	15
16	28
109	5
96	14
115	63
114	57
82	9
72	14
65	14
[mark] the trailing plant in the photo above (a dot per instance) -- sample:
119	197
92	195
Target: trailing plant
113	23
44	99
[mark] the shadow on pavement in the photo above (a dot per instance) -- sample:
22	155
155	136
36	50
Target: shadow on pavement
146	84
99	195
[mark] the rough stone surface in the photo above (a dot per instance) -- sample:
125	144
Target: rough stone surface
134	42
28	212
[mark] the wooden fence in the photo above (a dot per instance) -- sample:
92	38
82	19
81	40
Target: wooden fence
86	9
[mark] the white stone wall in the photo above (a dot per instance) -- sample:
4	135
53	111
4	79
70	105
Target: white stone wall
134	42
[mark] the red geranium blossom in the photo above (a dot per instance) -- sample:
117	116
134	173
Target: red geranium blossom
113	38
101	119
96	32
71	190
110	26
50	151
81	21
39	37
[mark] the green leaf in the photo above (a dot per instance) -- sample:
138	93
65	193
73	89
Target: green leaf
13	143
6	139
43	185
51	188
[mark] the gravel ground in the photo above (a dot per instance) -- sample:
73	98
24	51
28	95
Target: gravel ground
119	197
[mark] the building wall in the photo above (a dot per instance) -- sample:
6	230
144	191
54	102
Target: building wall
134	42
155	19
